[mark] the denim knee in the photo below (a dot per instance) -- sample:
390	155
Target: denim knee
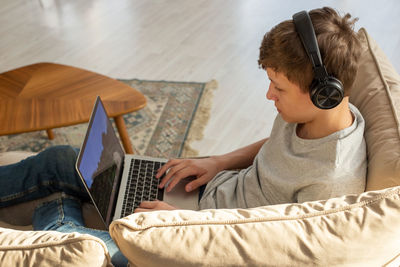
60	163
62	153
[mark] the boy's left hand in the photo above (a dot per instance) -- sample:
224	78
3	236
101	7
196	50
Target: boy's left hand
153	206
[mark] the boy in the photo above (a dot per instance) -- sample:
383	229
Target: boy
312	153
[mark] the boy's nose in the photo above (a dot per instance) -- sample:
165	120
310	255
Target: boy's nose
270	94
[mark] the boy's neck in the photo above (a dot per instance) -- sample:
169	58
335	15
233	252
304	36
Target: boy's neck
327	122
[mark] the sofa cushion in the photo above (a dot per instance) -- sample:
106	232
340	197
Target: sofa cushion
11	157
50	248
376	93
334	232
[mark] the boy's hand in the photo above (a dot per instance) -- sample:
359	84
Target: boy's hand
146	206
203	169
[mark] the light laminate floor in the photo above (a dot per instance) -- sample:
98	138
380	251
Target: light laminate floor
181	40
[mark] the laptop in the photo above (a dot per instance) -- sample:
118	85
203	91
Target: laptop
117	182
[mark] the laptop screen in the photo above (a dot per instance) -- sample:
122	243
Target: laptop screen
100	161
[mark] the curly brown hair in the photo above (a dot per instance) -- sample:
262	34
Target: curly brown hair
282	50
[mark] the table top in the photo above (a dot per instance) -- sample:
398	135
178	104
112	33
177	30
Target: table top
47	95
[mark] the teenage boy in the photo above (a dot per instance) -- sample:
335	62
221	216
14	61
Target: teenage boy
312	153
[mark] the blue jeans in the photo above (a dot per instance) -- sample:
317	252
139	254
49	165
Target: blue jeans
51	171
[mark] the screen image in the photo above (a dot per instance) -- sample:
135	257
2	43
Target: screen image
100	161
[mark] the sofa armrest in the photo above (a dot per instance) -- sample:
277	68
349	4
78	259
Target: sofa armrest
337	231
50	248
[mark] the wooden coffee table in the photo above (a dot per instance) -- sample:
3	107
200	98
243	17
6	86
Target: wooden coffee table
44	96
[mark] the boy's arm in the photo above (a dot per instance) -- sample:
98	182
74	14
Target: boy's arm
205	169
240	158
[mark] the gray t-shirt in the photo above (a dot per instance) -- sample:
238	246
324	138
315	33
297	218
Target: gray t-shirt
290	169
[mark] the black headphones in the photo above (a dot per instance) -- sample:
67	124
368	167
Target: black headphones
326	91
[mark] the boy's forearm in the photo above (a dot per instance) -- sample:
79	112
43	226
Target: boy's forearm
240	158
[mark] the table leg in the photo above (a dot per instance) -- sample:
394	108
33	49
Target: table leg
123	134
50	134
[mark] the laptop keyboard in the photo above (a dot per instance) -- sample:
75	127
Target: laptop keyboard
146	188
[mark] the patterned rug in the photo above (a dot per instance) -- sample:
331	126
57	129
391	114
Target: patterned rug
175	115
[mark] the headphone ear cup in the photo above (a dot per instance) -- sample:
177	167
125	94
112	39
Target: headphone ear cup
326	94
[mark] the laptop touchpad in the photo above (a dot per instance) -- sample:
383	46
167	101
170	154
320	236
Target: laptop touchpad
181	199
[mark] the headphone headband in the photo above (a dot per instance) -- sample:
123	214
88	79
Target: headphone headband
326	91
305	29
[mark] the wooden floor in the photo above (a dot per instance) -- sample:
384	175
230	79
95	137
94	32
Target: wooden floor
180	40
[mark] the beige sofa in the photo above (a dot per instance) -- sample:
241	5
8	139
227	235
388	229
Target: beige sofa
353	230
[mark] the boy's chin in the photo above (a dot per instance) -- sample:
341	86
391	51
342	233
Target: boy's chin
288	119
293	119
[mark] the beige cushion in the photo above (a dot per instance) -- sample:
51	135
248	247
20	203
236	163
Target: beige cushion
49	248
376	93
14	156
348	231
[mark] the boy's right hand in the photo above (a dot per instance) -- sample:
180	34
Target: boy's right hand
203	169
